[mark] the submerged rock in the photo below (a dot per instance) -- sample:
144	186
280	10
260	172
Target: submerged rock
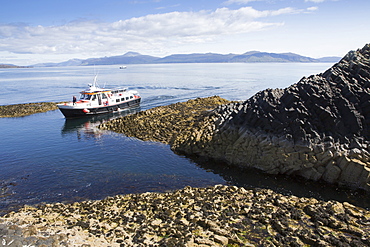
213	216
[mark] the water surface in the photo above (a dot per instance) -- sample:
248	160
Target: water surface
46	158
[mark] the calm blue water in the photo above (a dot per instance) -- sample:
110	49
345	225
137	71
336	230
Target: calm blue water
46	158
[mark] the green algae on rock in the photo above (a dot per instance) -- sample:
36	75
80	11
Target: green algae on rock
164	123
214	216
21	110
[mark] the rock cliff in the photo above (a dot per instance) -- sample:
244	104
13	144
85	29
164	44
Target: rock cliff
318	128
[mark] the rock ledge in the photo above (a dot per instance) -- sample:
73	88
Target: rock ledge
213	216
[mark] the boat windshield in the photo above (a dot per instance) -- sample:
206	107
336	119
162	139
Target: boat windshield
85	96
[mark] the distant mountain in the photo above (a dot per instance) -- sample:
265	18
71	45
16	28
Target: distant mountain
196	58
128	58
329	59
71	62
11	66
258	57
248	57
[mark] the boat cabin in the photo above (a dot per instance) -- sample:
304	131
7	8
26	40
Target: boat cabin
106	97
96	100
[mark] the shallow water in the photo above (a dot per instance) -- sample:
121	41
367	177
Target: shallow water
46	158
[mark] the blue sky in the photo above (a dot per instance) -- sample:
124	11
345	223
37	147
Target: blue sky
54	31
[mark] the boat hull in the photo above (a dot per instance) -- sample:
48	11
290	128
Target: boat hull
76	112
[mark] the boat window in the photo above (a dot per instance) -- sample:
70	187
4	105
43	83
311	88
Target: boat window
104	96
131	97
117	100
122	99
126	98
85	96
93	97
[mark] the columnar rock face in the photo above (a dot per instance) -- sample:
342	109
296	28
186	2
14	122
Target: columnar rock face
318	128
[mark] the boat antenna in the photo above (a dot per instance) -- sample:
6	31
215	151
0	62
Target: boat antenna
95	78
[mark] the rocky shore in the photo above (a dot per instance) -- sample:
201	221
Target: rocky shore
164	123
214	216
21	110
318	128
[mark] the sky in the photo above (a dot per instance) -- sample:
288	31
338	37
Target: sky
39	31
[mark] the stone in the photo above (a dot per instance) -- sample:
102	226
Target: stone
331	173
270	218
221	240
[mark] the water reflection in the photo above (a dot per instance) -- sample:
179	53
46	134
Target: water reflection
86	127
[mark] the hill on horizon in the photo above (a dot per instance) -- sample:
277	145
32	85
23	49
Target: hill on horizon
248	57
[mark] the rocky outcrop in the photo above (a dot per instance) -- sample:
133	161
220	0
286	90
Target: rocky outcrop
163	123
21	110
318	128
213	216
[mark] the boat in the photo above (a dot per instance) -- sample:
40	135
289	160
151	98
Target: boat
96	100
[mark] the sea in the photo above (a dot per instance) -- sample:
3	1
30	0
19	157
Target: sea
45	158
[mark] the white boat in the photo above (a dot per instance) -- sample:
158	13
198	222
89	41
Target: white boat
96	100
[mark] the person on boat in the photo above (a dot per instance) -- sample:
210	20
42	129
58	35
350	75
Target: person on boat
74	100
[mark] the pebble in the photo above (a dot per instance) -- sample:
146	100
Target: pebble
225	216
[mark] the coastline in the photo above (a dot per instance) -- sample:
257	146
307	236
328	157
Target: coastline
317	129
213	216
22	110
164	123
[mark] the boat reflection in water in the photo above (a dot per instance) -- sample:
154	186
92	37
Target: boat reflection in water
86	127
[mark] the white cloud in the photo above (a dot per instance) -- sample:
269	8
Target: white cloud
312	8
315	1
146	33
230	2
